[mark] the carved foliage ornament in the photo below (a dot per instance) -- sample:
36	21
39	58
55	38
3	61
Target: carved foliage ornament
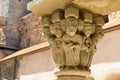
72	35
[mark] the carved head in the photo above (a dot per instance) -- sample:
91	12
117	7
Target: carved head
72	25
52	29
58	29
46	32
99	33
88	29
71	16
46	20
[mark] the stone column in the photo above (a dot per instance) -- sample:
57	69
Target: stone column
73	34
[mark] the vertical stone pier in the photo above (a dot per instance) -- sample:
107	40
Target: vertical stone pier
73	34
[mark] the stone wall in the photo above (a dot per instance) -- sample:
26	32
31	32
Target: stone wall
16	10
30	30
5	52
7	70
2	29
4	4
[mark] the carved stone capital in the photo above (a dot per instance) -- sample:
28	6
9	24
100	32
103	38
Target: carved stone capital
73	34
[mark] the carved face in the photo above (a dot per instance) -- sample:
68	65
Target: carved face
88	29
58	29
52	29
99	33
72	24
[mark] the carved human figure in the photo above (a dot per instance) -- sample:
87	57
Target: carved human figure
47	33
72	42
57	49
88	31
72	25
61	52
56	39
72	37
98	33
58	29
72	47
54	50
85	52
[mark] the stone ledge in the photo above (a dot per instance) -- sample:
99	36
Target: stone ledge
73	72
42	7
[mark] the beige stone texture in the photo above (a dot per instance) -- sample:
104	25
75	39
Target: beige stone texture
42	7
30	30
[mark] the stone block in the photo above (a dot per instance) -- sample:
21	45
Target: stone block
57	16
46	20
103	7
72	11
87	17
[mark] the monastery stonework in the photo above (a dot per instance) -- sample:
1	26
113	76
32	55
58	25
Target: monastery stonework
73	35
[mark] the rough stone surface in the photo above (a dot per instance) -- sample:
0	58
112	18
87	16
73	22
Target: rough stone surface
2	28
7	70
2	21
42	7
17	9
30	30
4	4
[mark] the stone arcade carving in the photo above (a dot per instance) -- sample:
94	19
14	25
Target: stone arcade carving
73	35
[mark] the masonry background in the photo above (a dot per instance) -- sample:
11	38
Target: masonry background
30	30
17	9
4	4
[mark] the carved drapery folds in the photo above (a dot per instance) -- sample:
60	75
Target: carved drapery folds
73	35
